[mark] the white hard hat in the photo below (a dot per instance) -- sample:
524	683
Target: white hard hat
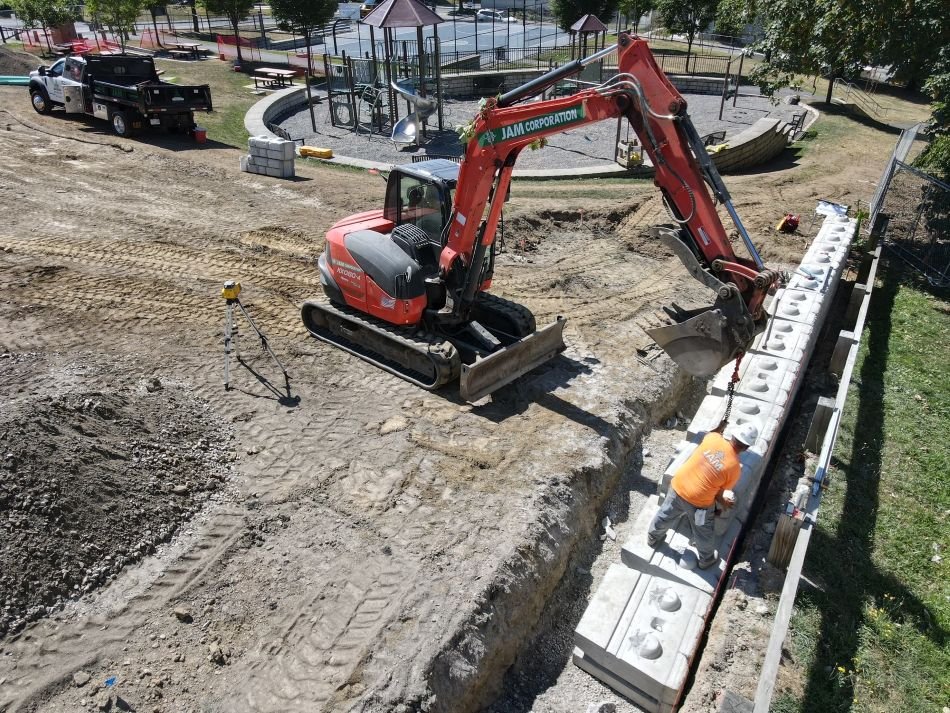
746	433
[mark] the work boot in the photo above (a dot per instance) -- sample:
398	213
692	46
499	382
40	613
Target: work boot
654	541
707	563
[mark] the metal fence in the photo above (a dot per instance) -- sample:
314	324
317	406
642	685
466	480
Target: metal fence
910	212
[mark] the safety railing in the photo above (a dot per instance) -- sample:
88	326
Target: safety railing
860	98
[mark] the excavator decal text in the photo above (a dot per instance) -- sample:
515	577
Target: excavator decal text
532	126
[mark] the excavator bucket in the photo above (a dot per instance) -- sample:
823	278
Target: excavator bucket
701	341
704	340
504	366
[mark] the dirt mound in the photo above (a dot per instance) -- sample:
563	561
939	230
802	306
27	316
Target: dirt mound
91	478
16	63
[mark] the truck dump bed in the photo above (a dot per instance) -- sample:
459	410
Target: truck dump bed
134	81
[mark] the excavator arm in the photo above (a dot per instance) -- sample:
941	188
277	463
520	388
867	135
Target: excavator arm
702	340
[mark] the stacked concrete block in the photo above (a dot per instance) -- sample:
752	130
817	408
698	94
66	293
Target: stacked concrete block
641	631
615	639
269	156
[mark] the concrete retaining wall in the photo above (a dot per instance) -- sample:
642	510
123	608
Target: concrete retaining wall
639	632
761	142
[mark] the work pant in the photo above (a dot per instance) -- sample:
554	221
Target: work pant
673	507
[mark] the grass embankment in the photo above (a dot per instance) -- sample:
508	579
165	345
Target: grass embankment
873	634
230	96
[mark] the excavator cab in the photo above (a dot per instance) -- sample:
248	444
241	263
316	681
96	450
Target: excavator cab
420	195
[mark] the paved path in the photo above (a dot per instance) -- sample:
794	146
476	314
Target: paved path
587	146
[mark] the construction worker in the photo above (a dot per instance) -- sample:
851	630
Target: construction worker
707	477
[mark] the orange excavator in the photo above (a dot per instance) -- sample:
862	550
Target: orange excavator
407	286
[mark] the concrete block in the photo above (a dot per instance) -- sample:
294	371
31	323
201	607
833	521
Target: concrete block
274	153
799	281
274	163
244	163
744	409
288	150
258	142
635	552
784	338
605	612
833	254
640	698
780	375
288	170
654	627
803	306
676	559
274	172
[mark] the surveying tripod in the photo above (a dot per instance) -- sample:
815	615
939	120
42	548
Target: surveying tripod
231	294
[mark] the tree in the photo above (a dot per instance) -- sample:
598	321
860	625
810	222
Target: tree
304	17
118	15
635	9
732	16
235	11
687	17
568	12
936	157
912	40
45	13
833	38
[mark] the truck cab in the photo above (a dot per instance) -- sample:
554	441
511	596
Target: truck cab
46	83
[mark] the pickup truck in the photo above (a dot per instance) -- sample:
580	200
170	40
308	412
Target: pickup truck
122	89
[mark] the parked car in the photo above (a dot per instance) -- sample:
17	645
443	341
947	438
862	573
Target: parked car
493	16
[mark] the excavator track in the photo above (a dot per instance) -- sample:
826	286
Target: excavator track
429	363
509	317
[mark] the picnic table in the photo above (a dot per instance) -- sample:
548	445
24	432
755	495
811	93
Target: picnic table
184	50
270	77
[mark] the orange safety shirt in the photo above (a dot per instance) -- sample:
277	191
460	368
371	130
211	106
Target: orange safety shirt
710	469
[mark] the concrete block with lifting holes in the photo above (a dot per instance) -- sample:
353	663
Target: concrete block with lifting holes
833	254
642	630
764	415
761	376
784	338
805	306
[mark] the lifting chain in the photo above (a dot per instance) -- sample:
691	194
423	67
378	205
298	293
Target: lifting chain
731	388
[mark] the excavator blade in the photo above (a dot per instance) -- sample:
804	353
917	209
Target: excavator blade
701	344
504	366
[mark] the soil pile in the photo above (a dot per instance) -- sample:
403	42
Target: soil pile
16	63
92	478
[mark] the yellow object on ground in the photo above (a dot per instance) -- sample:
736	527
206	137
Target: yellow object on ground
314	152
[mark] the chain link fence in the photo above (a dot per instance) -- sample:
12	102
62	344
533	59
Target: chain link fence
911	214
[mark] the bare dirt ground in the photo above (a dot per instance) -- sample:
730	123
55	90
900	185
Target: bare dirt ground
364	545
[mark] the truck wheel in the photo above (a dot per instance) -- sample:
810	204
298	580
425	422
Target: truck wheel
40	101
121	124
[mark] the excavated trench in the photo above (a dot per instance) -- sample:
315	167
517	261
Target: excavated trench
519	634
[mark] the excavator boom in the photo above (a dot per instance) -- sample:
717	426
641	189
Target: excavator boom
701	341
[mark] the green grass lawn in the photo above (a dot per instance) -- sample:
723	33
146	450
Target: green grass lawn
874	633
230	96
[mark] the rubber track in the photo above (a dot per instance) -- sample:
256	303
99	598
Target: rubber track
440	355
517	314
